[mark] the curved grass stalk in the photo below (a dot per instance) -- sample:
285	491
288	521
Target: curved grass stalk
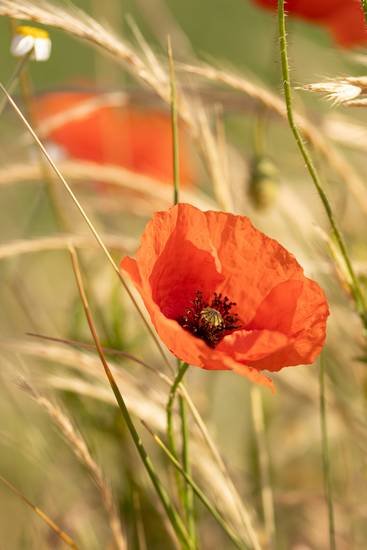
55	528
80	449
172	514
13	80
199	493
87	220
358	296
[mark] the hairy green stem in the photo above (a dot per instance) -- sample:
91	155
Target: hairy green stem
182	368
358	295
326	457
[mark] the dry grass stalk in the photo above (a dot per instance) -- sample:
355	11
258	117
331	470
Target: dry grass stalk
40	513
244	515
82	171
342	91
162	23
346	132
78	23
147	403
82	110
81	25
276	105
151	73
88	222
81	451
61	242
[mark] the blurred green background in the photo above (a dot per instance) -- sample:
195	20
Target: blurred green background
239	36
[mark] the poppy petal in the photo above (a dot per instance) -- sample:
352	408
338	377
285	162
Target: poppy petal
255	264
280	316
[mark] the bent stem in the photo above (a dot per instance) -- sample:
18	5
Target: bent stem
173	516
357	293
86	219
55	528
13	80
326	456
199	493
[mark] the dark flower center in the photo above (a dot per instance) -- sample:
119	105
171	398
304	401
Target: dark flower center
210	321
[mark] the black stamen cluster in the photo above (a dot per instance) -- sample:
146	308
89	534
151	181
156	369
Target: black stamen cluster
195	321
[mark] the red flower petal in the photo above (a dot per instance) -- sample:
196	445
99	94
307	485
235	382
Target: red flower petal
136	139
344	18
282	313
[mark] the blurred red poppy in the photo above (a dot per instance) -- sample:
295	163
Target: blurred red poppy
343	18
222	295
139	140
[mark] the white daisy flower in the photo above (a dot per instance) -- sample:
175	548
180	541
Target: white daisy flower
27	39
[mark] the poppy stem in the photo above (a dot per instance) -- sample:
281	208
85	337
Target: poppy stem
357	293
188	494
326	456
184	490
174	123
182	368
241	545
173	516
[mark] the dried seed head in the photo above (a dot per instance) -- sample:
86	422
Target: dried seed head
337	92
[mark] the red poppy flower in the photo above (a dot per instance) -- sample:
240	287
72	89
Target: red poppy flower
222	295
343	18
138	140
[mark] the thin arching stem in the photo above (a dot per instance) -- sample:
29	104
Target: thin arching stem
172	515
241	545
357	293
174	124
86	219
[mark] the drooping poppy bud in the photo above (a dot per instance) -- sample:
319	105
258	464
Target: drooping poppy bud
263	182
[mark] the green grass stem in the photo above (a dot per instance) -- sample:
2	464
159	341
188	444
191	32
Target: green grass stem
358	295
